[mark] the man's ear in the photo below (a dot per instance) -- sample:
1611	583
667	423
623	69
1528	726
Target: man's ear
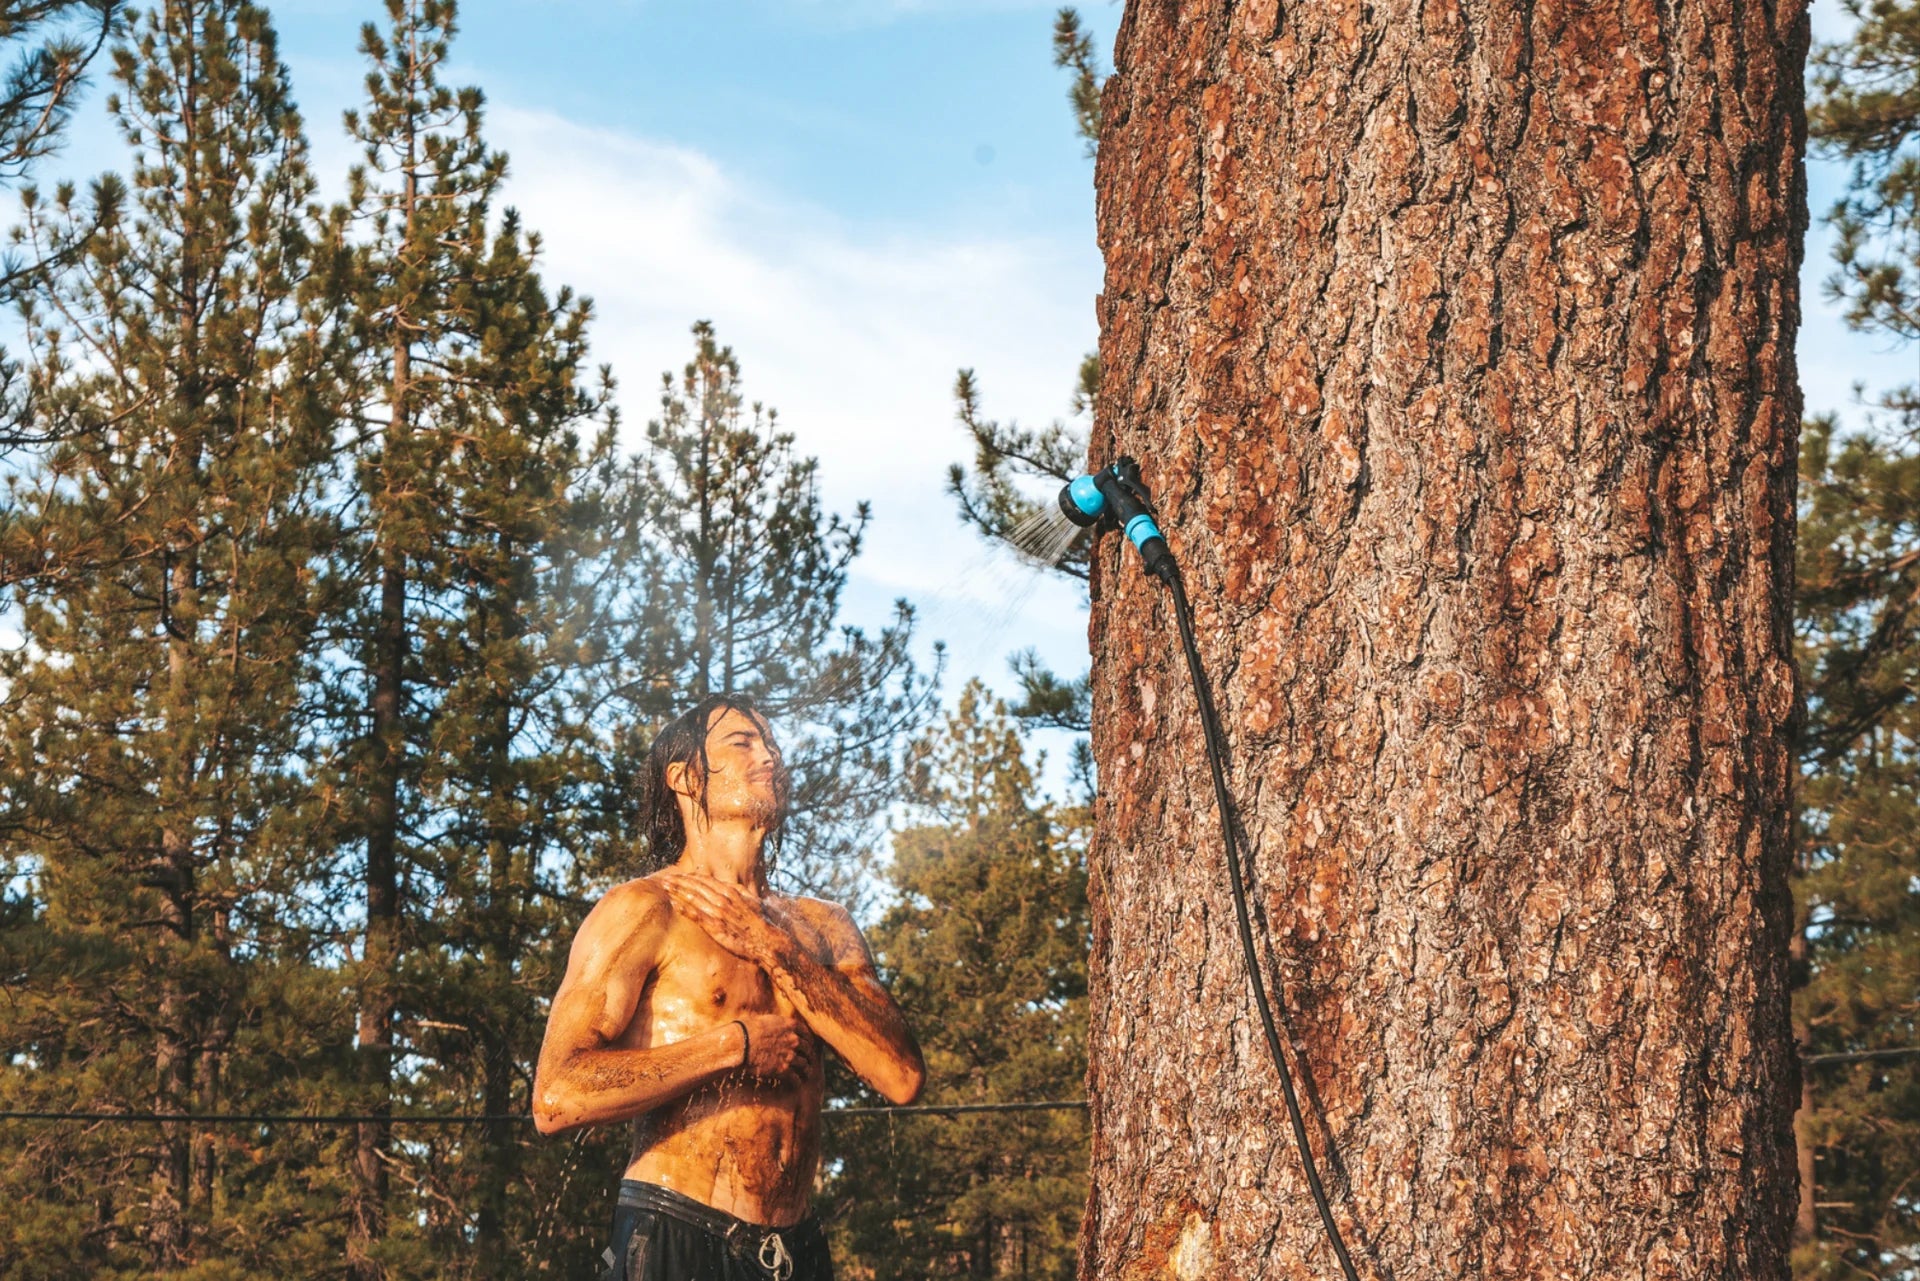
677	778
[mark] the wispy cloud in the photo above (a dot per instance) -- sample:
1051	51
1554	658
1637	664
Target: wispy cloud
853	332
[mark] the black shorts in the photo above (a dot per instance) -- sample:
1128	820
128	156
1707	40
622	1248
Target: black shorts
660	1235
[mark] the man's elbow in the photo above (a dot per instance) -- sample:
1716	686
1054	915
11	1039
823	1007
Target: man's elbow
552	1113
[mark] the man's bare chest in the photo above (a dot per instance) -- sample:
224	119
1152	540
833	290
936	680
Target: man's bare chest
696	984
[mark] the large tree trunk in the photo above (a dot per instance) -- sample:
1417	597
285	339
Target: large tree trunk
1457	342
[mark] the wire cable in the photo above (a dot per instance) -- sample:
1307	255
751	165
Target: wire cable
429	1118
1861	1056
1216	755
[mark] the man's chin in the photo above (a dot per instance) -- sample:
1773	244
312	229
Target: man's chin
762	812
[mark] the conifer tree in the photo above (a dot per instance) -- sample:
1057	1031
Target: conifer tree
1859	850
414	206
52	43
737	589
509	762
1459	356
986	946
456	714
160	556
1857	945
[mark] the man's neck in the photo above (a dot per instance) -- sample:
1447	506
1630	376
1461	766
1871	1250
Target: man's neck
729	850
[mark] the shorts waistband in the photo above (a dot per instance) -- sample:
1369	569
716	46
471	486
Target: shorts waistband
651	1196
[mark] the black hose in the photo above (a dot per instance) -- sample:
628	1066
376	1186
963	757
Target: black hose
1216	757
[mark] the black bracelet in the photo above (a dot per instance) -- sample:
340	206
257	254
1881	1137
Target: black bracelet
746	1043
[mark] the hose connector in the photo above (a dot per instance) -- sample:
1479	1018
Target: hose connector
1115	495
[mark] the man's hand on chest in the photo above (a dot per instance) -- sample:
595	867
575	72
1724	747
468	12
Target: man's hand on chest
756	930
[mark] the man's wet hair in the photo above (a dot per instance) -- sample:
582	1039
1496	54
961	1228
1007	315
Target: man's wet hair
684	742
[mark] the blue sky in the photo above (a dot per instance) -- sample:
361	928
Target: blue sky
863	196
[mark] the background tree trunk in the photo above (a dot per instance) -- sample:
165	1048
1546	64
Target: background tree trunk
1457	343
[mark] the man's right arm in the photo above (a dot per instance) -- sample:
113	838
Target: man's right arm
582	1078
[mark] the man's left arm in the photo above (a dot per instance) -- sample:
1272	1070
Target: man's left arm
843	1002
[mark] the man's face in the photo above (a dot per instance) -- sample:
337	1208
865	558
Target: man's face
743	770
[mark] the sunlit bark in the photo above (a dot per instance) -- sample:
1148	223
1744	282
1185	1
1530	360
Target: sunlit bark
1456	340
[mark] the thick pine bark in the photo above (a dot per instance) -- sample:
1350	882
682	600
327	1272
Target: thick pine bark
1457	343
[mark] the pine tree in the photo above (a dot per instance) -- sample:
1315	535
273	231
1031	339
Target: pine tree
1073	50
456	712
1857	945
512	761
53	42
1859	850
737	589
1865	109
321	566
161	556
986	946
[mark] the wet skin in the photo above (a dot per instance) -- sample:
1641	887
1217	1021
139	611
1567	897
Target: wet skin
698	1005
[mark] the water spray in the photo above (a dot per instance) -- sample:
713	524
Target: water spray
1116	497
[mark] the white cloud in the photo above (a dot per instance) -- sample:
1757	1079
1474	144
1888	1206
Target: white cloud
854	333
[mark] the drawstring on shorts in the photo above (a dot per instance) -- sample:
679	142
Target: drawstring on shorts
781	1263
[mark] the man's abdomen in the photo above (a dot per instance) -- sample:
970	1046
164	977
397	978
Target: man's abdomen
747	1148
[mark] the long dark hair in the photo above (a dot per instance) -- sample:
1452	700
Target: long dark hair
684	742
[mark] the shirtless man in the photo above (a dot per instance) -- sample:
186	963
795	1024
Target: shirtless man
694	1005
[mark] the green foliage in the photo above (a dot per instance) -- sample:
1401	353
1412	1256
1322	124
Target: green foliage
1859	841
1000	499
474	469
993	498
1858	632
986	947
1073	50
36	95
53	42
340	619
1865	110
160	566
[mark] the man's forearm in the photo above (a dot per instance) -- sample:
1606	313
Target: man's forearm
869	1035
596	1086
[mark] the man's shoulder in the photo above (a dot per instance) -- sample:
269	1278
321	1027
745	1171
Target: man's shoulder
817	910
630	906
638	894
832	924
